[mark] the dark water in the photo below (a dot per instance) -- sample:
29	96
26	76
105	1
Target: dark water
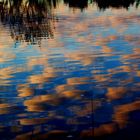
69	70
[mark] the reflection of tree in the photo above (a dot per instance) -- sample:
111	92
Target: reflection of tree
114	3
78	4
102	4
28	20
137	3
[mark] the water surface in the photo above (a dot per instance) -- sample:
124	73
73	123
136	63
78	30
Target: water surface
69	70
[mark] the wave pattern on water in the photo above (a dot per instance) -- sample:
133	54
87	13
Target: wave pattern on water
69	70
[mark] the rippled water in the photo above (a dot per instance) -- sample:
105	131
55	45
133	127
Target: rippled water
69	70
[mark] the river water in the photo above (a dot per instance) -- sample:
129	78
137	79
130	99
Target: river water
69	70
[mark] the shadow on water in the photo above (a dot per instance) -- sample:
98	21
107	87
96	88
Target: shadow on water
31	20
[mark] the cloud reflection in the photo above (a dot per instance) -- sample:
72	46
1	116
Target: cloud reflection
85	77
